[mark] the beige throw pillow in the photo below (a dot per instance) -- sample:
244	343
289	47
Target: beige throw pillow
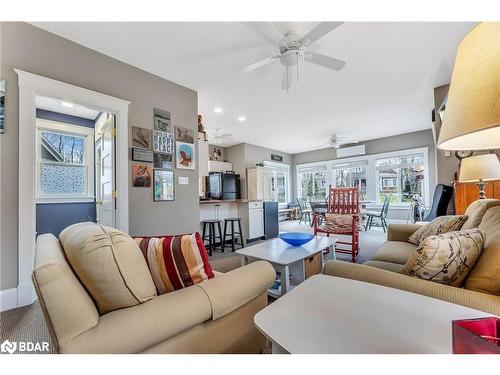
446	258
441	224
109	264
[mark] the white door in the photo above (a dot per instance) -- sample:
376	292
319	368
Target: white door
106	205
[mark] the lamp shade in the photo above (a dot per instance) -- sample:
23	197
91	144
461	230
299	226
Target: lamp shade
482	167
472	114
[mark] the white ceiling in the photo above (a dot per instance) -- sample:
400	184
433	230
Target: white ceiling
386	87
54	105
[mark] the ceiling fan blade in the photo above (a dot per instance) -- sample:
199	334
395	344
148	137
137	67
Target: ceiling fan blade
268	31
326	61
286	83
259	63
319	31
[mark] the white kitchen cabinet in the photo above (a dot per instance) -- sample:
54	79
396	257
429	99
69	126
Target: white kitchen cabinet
260	184
202	157
252	219
219	166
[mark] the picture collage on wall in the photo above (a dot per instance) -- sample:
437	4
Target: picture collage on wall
166	147
2	105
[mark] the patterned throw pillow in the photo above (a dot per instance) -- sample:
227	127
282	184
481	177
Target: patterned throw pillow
441	224
446	258
176	262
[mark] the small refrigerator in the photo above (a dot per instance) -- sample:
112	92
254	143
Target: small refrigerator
271	226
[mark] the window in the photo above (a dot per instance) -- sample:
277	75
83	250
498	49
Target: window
65	162
400	178
398	174
311	182
280	181
351	175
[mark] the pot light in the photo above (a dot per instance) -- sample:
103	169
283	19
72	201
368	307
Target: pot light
218	110
242	118
67	104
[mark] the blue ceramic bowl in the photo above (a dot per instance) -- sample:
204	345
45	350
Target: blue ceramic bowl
296	238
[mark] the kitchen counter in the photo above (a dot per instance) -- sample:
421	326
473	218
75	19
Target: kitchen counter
219	201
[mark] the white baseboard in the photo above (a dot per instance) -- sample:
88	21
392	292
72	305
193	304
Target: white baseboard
8	299
25	294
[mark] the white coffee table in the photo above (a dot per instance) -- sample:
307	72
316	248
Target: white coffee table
290	261
327	314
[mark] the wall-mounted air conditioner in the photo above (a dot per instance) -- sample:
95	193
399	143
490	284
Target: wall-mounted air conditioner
350	151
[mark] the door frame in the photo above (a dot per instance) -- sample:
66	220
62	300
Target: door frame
31	85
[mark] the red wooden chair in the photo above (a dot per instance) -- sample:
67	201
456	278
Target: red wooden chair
342	217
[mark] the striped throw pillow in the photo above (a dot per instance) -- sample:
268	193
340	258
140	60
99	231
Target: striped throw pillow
176	262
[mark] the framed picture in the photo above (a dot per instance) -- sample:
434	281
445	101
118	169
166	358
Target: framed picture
185	155
163	161
216	153
163	142
184	135
162	121
139	154
141	175
2	104
141	137
164	185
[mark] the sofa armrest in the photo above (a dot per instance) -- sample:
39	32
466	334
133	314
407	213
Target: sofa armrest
475	300
401	232
231	290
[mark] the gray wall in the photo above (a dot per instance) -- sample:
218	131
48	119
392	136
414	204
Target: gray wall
245	155
423	138
28	48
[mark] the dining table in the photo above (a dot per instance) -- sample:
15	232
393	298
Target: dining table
321	207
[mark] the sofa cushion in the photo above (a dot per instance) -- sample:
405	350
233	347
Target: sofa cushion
109	264
176	262
395	252
441	224
476	211
446	258
485	276
388	266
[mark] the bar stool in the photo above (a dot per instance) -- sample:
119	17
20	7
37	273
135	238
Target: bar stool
233	234
212	235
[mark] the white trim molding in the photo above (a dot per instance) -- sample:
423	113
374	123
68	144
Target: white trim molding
30	86
8	299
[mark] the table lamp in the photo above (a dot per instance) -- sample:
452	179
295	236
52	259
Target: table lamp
472	116
479	169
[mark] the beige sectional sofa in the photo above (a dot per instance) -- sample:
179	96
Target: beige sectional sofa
214	316
481	290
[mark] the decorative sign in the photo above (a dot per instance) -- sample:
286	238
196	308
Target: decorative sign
139	154
2	104
276	157
141	137
163	142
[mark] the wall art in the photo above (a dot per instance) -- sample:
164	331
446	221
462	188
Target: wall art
140	154
163	142
164	185
141	137
162	120
184	135
141	175
163	161
185	155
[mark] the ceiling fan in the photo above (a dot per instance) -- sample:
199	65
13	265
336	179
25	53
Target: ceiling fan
219	135
337	141
293	49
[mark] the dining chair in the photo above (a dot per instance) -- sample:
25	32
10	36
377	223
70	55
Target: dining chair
379	215
304	211
342	217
